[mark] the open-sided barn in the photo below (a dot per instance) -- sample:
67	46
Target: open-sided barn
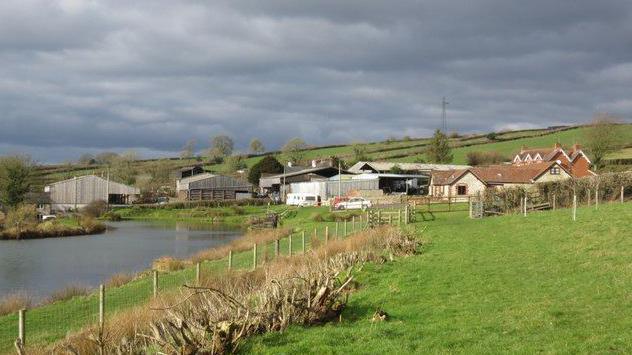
80	191
218	187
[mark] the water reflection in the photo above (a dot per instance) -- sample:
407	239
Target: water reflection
44	265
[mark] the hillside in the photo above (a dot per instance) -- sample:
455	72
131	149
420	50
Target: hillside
485	286
404	150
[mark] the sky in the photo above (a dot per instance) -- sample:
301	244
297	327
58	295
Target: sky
147	75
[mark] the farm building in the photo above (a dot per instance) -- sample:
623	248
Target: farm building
182	185
469	182
362	184
574	160
218	187
188	171
273	183
78	192
387	166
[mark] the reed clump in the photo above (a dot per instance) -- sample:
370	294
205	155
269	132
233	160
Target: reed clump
14	302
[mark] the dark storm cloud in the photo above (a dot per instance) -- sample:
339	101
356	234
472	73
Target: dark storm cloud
85	76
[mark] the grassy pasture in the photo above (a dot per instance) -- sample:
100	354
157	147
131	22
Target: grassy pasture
508	284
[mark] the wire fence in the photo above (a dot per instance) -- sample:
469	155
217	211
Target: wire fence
46	324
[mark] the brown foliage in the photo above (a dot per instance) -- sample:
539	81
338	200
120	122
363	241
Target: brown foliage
14	302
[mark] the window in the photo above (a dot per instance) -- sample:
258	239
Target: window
555	170
461	190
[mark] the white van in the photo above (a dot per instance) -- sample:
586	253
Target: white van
302	199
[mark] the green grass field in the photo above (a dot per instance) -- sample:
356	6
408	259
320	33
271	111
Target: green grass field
513	284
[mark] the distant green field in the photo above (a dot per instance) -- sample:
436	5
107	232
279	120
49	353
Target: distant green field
566	138
409	150
540	284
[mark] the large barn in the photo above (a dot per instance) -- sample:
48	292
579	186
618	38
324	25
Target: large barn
218	187
78	192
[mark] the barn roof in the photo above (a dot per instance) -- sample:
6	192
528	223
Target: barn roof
384	166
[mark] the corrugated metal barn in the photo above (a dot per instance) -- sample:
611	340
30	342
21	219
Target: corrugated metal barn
327	189
80	191
219	187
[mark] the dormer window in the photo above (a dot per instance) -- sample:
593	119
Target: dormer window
555	170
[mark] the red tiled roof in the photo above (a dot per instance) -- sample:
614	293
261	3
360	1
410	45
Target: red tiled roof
519	174
446	177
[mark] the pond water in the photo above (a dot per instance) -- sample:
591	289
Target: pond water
40	266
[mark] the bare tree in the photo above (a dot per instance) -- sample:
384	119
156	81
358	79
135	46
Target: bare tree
221	147
294	149
256	147
188	150
601	138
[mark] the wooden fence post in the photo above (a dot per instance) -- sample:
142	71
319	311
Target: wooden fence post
352	224
574	207
155	279
289	245
597	197
230	259
390	219
198	266
276	248
254	256
21	328
101	308
303	242
379	217
470	200
399	217
554	201
326	234
525	206
589	194
621	194
344	232
336	232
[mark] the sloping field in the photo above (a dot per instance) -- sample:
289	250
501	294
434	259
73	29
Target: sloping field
540	284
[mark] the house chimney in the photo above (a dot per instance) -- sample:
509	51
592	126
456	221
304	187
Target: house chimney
523	148
576	147
289	164
313	163
558	145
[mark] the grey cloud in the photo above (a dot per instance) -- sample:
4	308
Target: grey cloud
148	75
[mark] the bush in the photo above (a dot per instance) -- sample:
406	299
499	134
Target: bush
95	209
118	280
21	218
112	216
491	136
485	158
14	302
91	225
67	293
238	210
167	263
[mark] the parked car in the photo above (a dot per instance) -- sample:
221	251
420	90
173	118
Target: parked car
354	203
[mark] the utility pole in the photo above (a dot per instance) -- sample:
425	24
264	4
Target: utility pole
444	122
339	180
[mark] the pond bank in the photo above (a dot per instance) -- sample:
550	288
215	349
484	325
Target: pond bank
54	229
